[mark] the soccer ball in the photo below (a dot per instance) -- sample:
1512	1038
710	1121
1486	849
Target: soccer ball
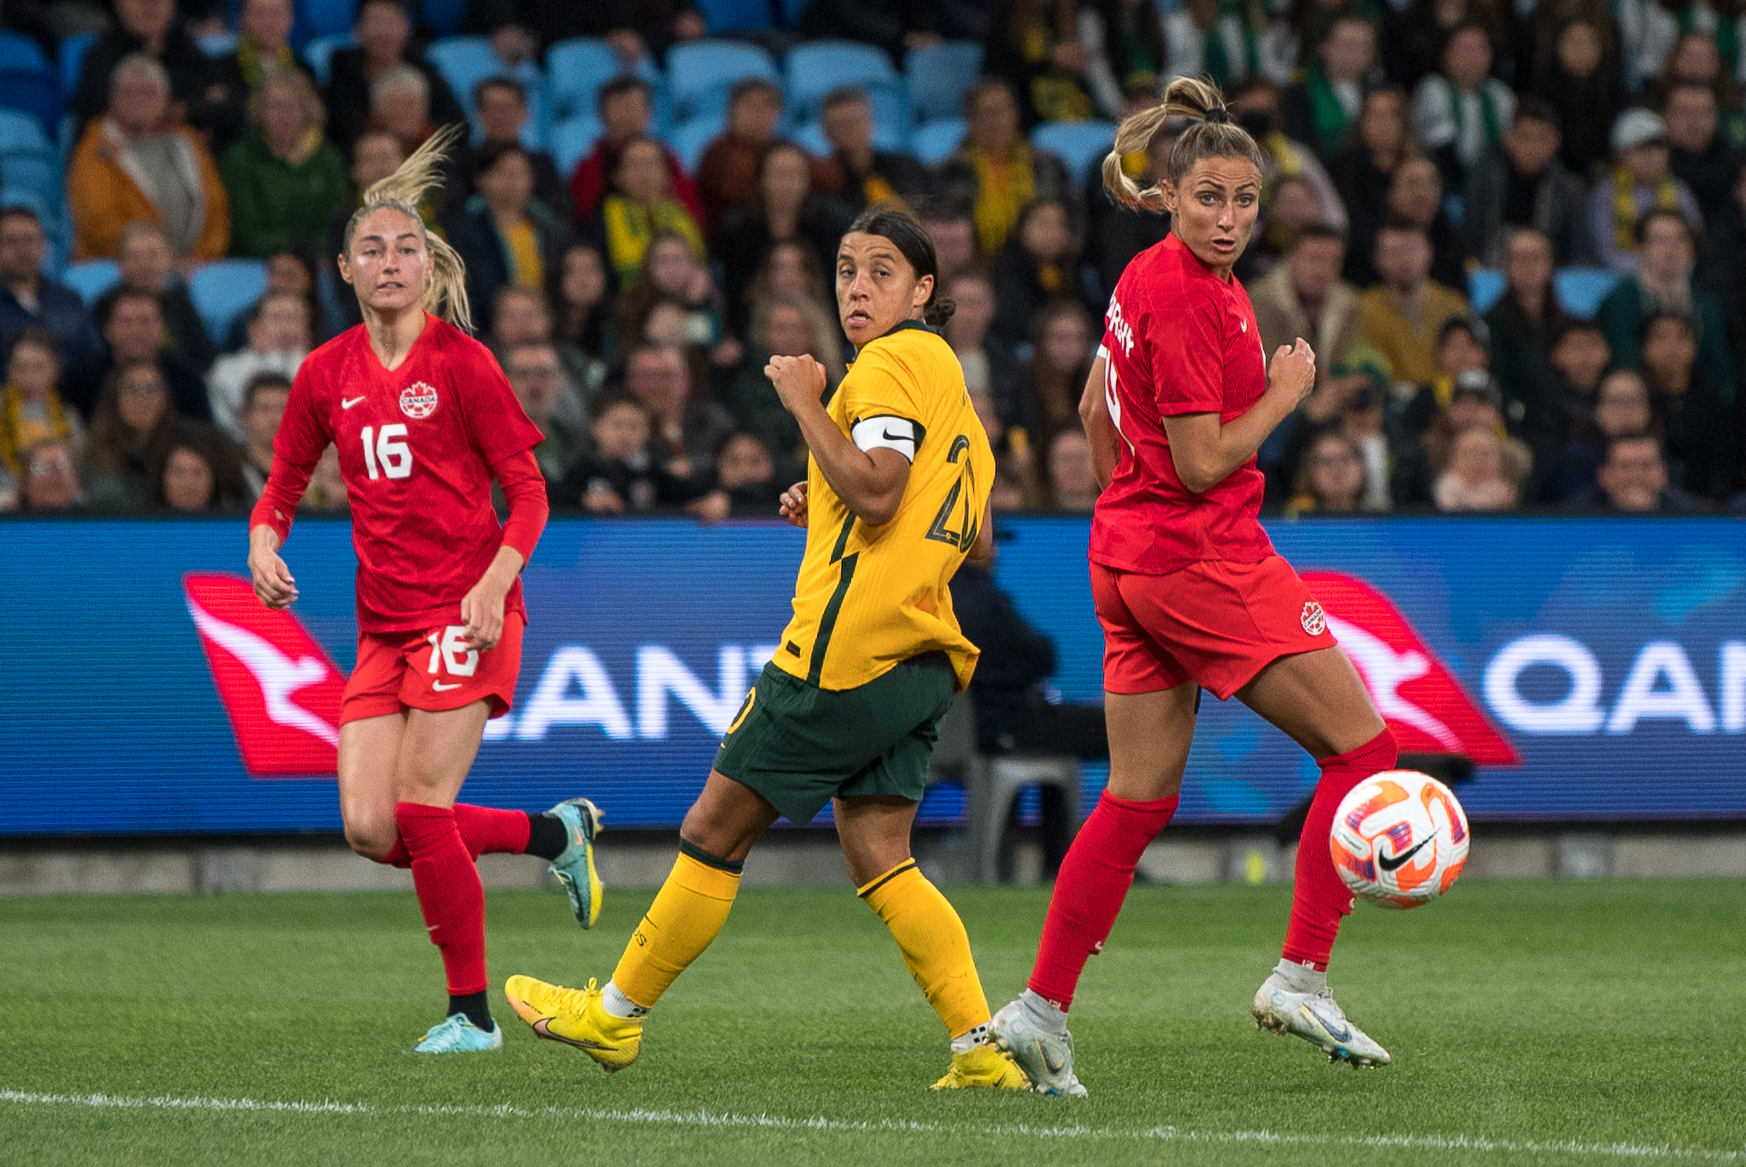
1399	839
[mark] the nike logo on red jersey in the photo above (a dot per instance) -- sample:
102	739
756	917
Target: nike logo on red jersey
1414	691
348	402
279	687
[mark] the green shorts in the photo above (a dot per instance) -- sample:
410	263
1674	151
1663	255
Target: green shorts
800	746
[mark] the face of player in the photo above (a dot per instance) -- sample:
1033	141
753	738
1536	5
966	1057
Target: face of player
187	480
1214	209
389	262
877	289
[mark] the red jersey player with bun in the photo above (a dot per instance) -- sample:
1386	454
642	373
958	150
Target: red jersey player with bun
1189	590
423	420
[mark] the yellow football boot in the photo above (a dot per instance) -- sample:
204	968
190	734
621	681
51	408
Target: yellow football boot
577	1017
984	1065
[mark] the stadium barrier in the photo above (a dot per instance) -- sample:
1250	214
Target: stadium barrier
1594	669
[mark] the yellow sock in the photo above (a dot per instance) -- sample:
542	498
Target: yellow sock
934	944
685	917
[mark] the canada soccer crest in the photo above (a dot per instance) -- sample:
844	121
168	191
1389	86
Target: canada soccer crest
418	401
1314	620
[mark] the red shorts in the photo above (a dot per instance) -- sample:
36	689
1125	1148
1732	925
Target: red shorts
1211	622
397	671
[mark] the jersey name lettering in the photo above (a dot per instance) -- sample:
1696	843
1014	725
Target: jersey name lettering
1119	327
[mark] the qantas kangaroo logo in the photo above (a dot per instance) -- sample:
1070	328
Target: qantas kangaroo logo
279	687
1416	694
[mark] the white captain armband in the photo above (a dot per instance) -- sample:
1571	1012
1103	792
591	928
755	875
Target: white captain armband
887	432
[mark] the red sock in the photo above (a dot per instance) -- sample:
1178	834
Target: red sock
485	831
1320	899
1094	880
449	892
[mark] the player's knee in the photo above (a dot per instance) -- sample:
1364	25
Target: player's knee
372	838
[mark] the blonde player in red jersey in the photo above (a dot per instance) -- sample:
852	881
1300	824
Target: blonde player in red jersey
1189	590
423	420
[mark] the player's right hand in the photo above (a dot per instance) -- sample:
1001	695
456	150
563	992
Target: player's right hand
272	579
794	504
1293	370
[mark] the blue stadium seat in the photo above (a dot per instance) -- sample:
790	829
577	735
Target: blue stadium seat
791	10
935	141
690	139
320	19
36	171
577	68
72	59
572	140
223	289
318	53
20	131
817	67
1485	287
699	74
939	75
464	61
1078	144
92	278
444	17
721	16
217	44
21	52
1581	289
35	92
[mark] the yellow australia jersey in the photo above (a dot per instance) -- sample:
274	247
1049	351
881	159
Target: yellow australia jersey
870	597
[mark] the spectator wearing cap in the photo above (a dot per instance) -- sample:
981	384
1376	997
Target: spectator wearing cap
1461	111
626	110
1641	181
279	339
1403	316
1322	110
856	174
28	298
1663	284
147	265
1474	403
1696	413
506	236
152	29
1521	183
1305	296
1633	480
285	180
134	334
995	172
134	164
1699	156
384	32
503	116
727	175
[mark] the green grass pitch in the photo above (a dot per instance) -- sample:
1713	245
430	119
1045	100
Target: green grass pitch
1579	1023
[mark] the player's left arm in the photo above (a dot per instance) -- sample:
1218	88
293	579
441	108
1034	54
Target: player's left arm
482	606
870	482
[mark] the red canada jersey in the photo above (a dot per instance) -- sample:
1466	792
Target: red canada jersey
416	447
1178	340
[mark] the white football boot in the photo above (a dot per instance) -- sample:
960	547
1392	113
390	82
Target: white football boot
1044	1055
1317	1018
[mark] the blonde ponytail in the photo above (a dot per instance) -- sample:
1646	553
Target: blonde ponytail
445	289
1213	135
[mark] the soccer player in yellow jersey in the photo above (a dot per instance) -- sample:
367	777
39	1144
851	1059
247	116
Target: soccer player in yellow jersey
896	497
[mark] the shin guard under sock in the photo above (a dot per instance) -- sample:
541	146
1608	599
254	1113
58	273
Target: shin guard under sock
1089	891
1320	899
449	892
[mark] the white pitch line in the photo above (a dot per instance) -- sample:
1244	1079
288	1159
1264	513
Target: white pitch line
706	1118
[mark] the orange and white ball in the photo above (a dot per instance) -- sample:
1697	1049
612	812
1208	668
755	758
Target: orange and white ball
1399	839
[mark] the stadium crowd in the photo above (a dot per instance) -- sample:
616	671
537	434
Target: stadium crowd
1513	233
